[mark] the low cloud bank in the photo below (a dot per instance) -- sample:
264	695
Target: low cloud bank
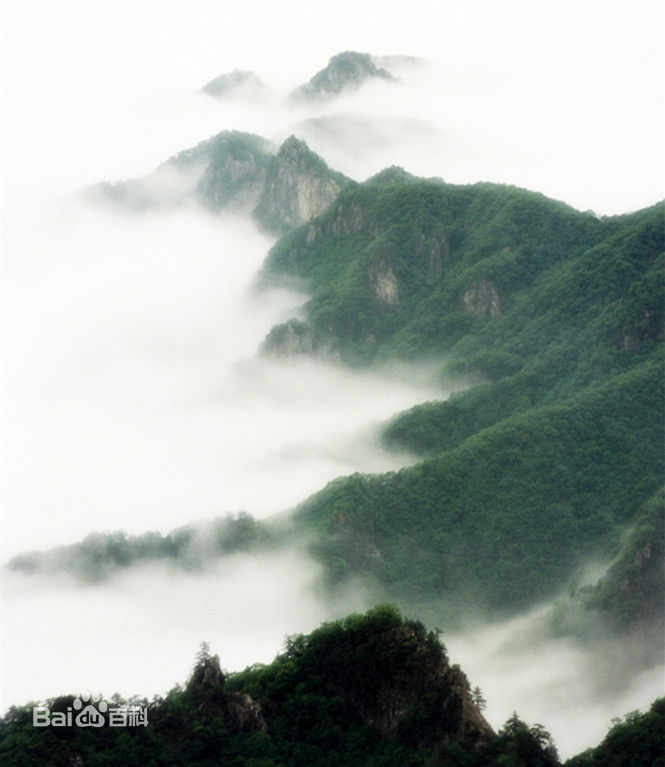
133	397
139	633
573	688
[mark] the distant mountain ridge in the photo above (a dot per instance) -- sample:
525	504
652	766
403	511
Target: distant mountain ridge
239	173
344	72
245	173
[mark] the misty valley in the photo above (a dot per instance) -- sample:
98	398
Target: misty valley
385	448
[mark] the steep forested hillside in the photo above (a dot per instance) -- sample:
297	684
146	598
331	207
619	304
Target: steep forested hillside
637	741
417	268
630	596
557	315
501	520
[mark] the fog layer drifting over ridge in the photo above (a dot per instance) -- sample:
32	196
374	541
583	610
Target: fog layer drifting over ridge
134	397
138	633
131	396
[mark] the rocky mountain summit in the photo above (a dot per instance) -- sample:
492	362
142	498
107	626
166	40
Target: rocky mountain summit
344	72
239	173
235	173
289	339
298	187
225	172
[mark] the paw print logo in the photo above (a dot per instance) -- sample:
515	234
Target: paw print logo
91	710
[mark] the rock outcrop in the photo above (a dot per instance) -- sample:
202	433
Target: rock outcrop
240	173
298	187
245	713
390	673
207	689
631	595
482	299
382	280
290	339
345	72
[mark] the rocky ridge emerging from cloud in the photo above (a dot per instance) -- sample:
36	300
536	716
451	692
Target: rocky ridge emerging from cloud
238	173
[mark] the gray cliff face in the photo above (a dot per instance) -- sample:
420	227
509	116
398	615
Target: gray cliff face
239	173
346	218
382	281
290	339
433	252
482	299
245	713
345	72
298	187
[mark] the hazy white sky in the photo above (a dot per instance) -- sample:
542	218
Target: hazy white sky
564	97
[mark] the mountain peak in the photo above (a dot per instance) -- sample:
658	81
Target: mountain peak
292	146
345	71
237	83
299	186
390	671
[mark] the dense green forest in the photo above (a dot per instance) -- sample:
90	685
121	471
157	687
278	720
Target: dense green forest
502	519
556	319
373	689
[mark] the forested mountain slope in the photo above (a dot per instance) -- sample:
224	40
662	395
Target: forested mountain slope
542	463
503	519
559	318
